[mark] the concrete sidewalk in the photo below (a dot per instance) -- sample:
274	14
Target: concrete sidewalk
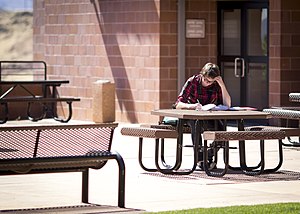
156	192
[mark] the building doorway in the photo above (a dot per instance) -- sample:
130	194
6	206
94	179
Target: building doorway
243	51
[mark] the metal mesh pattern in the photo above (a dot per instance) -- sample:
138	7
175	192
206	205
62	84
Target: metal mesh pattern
294	97
243	135
149	132
54	142
288	131
283	113
263	128
185	129
17	144
73	142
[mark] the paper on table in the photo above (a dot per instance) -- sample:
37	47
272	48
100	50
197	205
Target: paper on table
246	108
208	107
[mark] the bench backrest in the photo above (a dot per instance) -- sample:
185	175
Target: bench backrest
23	70
54	141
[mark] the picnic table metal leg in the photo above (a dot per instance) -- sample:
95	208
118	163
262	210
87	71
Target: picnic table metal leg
141	157
5	107
175	169
36	118
242	153
179	144
240	124
292	143
251	171
226	160
55	116
162	154
280	159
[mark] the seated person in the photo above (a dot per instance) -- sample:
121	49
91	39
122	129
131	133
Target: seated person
201	89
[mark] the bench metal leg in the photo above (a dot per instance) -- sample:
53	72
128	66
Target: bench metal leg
121	182
85	186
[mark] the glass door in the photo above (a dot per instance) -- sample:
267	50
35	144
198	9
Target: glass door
243	51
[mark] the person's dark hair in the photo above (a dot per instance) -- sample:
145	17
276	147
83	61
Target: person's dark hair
210	70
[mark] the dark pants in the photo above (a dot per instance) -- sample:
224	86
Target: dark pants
212	125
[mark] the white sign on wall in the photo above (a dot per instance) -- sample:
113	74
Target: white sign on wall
195	28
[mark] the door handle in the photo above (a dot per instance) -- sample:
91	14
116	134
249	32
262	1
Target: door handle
236	73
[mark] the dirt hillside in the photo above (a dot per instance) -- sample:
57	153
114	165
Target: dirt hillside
16	35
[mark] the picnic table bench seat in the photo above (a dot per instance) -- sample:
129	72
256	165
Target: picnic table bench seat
288	113
246	136
159	134
60	148
284	112
294	97
43	101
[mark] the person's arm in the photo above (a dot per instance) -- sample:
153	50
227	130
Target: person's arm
192	106
183	101
225	95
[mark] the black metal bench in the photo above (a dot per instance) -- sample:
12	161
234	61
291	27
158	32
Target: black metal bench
60	148
226	136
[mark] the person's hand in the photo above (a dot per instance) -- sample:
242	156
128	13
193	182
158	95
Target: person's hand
219	80
198	107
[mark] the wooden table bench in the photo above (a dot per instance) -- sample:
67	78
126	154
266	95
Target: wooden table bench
28	149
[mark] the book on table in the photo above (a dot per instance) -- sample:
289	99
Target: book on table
213	107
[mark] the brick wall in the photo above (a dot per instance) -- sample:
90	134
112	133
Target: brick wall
131	43
203	50
168	53
284	48
84	41
284	51
198	51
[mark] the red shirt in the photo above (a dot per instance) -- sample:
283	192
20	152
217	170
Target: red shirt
193	92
